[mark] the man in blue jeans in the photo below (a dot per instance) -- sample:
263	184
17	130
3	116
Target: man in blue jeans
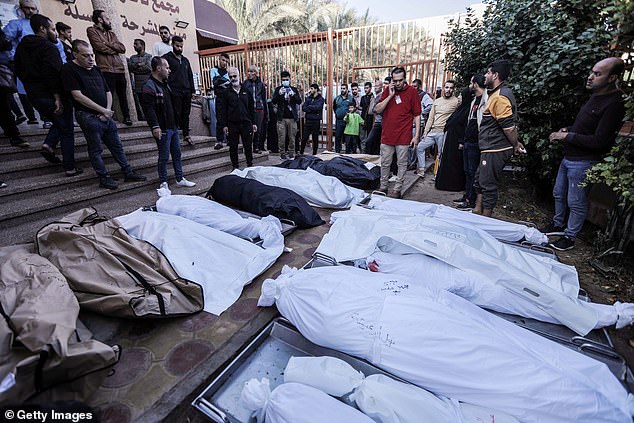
585	142
93	101
38	65
340	107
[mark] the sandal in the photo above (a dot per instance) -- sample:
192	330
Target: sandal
50	156
75	172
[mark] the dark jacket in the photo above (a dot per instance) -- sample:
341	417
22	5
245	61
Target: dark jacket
340	105
368	120
282	104
313	107
38	65
257	89
156	100
181	78
236	108
68	51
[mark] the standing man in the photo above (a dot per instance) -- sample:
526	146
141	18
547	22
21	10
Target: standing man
367	118
92	101
497	137
286	98
313	108
140	67
7	88
38	64
65	34
156	99
434	132
373	140
219	84
14	31
107	50
237	117
257	90
181	82
425	100
340	106
584	143
161	48
400	106
354	87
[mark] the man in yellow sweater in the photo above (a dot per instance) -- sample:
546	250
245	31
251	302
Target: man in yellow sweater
434	132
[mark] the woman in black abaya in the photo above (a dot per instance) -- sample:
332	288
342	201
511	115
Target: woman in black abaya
450	175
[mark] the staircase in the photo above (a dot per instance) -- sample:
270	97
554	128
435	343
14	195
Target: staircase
39	192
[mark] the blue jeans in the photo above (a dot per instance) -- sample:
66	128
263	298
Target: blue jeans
432	138
569	195
471	159
97	131
169	144
62	130
340	126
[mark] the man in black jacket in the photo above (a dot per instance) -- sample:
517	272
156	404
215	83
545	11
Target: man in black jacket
181	82
257	90
157	103
286	98
237	117
38	64
368	119
313	107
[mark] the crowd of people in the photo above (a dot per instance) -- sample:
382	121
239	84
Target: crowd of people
70	83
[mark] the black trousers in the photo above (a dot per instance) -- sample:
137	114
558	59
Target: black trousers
311	128
373	141
237	131
117	84
27	106
183	107
6	118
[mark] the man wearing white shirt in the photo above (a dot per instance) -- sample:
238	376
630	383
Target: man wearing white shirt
162	47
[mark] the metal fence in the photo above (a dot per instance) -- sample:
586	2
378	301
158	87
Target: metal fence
334	57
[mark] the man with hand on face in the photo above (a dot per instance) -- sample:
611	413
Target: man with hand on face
237	117
286	98
585	142
400	106
93	102
434	132
181	82
161	117
161	48
38	64
108	50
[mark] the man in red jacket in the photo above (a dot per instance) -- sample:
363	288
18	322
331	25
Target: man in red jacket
400	105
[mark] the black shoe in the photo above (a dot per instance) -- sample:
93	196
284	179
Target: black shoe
218	146
50	156
74	172
459	200
127	121
132	176
19	142
108	182
283	156
33	122
564	243
256	151
465	205
552	229
20	120
290	155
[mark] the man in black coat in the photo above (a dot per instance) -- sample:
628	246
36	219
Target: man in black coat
237	118
257	90
181	81
313	107
286	98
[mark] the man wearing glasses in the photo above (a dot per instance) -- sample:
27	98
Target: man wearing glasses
400	106
237	118
162	47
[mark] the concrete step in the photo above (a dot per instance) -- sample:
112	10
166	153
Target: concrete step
59	201
35	133
116	203
17	167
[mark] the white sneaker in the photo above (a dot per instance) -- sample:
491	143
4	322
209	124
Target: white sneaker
164	185
393	178
185	183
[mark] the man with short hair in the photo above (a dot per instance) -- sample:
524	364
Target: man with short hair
257	90
286	98
181	82
219	83
373	140
156	99
340	107
356	96
65	34
313	108
140	67
497	137
425	100
38	64
584	143
400	106
237	117
434	132
366	99
93	101
108	50
161	48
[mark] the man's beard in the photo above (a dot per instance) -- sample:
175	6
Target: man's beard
106	26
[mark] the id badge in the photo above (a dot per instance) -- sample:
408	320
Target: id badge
397	99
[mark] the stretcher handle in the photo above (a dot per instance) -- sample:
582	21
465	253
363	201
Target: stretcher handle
586	344
325	258
525	223
542	249
378	193
212	411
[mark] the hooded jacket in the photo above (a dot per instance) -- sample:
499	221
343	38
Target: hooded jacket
38	65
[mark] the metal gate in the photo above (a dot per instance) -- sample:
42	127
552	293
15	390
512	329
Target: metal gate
333	57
